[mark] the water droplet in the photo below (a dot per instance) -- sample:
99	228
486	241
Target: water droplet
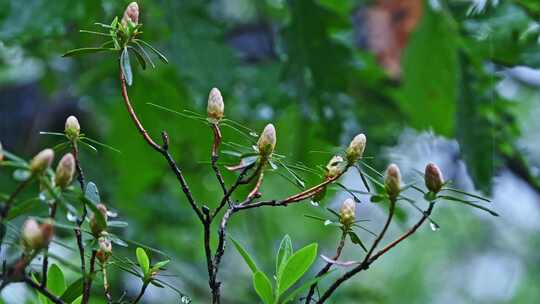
433	226
71	217
314	203
42	197
252	133
185	299
111	213
327	222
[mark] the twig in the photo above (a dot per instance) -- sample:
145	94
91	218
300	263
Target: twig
215	167
141	293
88	280
327	267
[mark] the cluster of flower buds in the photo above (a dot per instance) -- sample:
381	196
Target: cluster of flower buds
347	212
95	226
105	249
1	152
215	107
433	178
65	171
72	128
392	181
356	148
42	161
267	141
335	167
36	236
131	14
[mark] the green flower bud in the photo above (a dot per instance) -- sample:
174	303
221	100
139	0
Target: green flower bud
1	152
392	181
65	171
215	107
36	236
347	212
356	148
267	141
131	14
433	178
42	161
72	128
105	249
94	226
335	166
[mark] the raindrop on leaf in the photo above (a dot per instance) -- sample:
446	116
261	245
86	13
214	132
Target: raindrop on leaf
433	226
314	203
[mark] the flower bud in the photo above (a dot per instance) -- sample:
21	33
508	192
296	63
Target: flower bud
1	152
392	181
94	225
105	249
335	166
347	212
65	171
356	148
267	141
42	161
215	105
433	178
36	236
72	128
131	14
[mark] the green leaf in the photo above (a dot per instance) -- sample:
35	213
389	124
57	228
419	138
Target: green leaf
126	66
296	266
455	199
263	287
55	280
284	252
158	53
143	260
161	265
82	51
92	193
73	291
356	240
303	287
245	255
77	300
33	205
139	57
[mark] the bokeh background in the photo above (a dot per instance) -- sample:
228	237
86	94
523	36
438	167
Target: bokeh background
455	82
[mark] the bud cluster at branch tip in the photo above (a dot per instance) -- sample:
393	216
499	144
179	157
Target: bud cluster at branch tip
347	212
335	166
131	14
392	181
215	107
433	178
267	141
94	225
42	161
65	171
356	148
72	128
1	152
37	236
105	249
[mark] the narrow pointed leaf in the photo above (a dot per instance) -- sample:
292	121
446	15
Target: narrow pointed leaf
295	267
263	287
245	255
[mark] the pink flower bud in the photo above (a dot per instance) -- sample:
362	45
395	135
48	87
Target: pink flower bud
42	161
36	236
356	148
105	249
65	171
94	225
392	181
215	107
347	212
267	141
131	14
433	178
335	166
72	128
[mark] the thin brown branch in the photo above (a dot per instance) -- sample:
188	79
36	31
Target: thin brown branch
327	267
215	167
88	280
141	293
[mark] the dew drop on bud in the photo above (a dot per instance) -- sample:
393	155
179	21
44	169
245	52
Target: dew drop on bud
434	226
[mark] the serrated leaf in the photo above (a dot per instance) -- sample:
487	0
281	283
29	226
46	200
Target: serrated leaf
142	259
126	67
245	255
263	287
295	267
284	252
